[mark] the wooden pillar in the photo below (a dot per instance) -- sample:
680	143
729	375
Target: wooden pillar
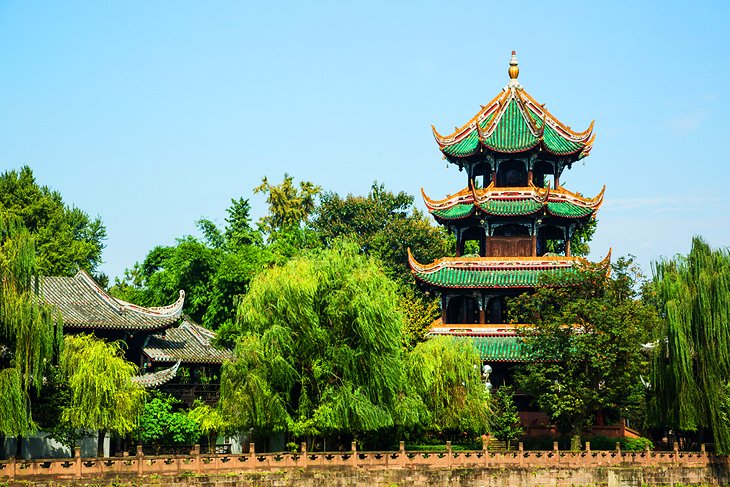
529	177
444	305
482	316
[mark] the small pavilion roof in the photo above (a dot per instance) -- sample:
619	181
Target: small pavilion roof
494	272
187	343
514	122
156	379
494	201
85	305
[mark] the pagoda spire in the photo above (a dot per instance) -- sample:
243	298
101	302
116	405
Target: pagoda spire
514	72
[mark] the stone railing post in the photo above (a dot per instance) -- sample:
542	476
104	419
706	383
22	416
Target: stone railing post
353	447
485	443
556	446
305	456
77	462
13	466
252	455
676	452
140	461
703	449
521	452
195	453
588	446
448	452
403	458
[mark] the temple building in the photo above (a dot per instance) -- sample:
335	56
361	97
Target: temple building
513	221
171	351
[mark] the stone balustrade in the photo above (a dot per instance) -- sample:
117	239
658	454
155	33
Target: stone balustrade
212	464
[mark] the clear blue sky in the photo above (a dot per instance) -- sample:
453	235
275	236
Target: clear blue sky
155	114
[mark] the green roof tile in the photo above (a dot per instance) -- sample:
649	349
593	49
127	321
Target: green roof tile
568	210
486	278
508	348
512	134
455	212
511	207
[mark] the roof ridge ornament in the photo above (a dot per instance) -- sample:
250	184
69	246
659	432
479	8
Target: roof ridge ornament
514	72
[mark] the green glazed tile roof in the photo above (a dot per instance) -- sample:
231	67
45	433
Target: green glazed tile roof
486	278
508	348
469	145
510	207
512	133
568	210
455	212
519	128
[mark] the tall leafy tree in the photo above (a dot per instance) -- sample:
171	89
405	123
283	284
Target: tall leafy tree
103	396
211	271
445	372
30	331
691	363
66	237
385	225
289	206
586	345
320	351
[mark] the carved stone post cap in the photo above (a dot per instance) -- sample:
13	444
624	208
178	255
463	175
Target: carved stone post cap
77	451
139	451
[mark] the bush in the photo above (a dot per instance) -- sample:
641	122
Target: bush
627	444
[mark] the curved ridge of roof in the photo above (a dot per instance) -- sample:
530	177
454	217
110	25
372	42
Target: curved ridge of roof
85	304
155	379
540	196
495	263
487	120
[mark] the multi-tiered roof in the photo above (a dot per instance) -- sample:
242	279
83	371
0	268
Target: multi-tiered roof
507	215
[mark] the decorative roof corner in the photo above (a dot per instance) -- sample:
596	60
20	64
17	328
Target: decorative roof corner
156	379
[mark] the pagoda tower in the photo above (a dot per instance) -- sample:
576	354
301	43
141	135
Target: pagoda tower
513	221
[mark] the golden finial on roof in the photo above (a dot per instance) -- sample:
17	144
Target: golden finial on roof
514	71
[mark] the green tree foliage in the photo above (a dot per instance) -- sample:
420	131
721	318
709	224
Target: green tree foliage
30	331
691	364
384	225
66	238
162	422
212	272
506	421
289	206
445	372
103	396
320	350
586	345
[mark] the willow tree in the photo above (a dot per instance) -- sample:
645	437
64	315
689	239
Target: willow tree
103	396
445	372
691	369
320	349
30	331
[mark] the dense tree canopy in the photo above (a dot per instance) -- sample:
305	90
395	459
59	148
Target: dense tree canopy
66	238
30	331
586	344
320	350
385	225
690	379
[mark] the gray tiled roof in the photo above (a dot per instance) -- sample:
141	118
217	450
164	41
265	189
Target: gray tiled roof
84	304
155	379
188	343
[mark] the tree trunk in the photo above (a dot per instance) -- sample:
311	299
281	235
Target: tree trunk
100	443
